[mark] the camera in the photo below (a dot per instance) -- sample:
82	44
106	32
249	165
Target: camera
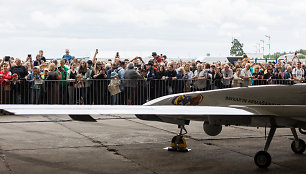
7	58
29	55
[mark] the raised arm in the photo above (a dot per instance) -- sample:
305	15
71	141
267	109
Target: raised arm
94	57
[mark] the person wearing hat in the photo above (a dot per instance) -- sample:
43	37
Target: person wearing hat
114	88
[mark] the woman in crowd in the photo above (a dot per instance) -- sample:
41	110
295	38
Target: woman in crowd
258	76
217	78
279	75
99	83
269	76
189	75
86	76
71	76
52	85
5	77
180	82
288	76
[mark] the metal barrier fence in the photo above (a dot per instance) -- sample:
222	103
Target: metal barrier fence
125	92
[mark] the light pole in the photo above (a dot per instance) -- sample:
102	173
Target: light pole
263	48
268	36
258	47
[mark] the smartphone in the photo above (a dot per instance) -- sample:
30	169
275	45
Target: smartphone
96	50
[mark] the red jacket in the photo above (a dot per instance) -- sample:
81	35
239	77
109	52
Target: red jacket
7	75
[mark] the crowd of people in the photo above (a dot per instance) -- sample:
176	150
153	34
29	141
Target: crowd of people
130	81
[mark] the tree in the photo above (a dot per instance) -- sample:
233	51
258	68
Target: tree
237	48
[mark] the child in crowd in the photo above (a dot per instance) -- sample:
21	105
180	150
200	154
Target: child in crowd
79	89
114	88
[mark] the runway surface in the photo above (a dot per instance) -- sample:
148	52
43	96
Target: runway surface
115	144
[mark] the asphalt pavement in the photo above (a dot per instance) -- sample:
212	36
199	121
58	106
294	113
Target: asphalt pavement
125	144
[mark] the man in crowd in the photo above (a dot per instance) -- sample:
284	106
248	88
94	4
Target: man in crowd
298	73
200	76
247	76
22	73
227	76
130	84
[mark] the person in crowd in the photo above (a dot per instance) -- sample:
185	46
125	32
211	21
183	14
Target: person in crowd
237	78
22	73
38	60
180	82
258	76
42	57
156	58
15	96
99	83
35	85
298	73
52	84
79	89
288	76
269	76
171	76
67	55
227	75
217	78
200	76
279	76
114	88
121	71
295	56
44	75
189	75
71	76
5	77
247	75
131	77
86	76
152	75
63	91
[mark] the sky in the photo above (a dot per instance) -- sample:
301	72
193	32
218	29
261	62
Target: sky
176	28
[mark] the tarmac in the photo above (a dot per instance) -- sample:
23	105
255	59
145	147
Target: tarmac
125	144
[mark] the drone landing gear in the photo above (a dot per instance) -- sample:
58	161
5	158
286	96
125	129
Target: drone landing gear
302	131
178	143
262	158
298	145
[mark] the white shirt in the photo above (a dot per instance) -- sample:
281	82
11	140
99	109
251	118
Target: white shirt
227	74
298	73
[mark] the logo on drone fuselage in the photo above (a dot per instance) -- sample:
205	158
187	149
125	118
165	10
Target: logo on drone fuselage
187	100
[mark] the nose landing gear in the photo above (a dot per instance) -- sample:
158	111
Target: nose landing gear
178	143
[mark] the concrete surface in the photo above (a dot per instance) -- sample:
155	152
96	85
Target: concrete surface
116	144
